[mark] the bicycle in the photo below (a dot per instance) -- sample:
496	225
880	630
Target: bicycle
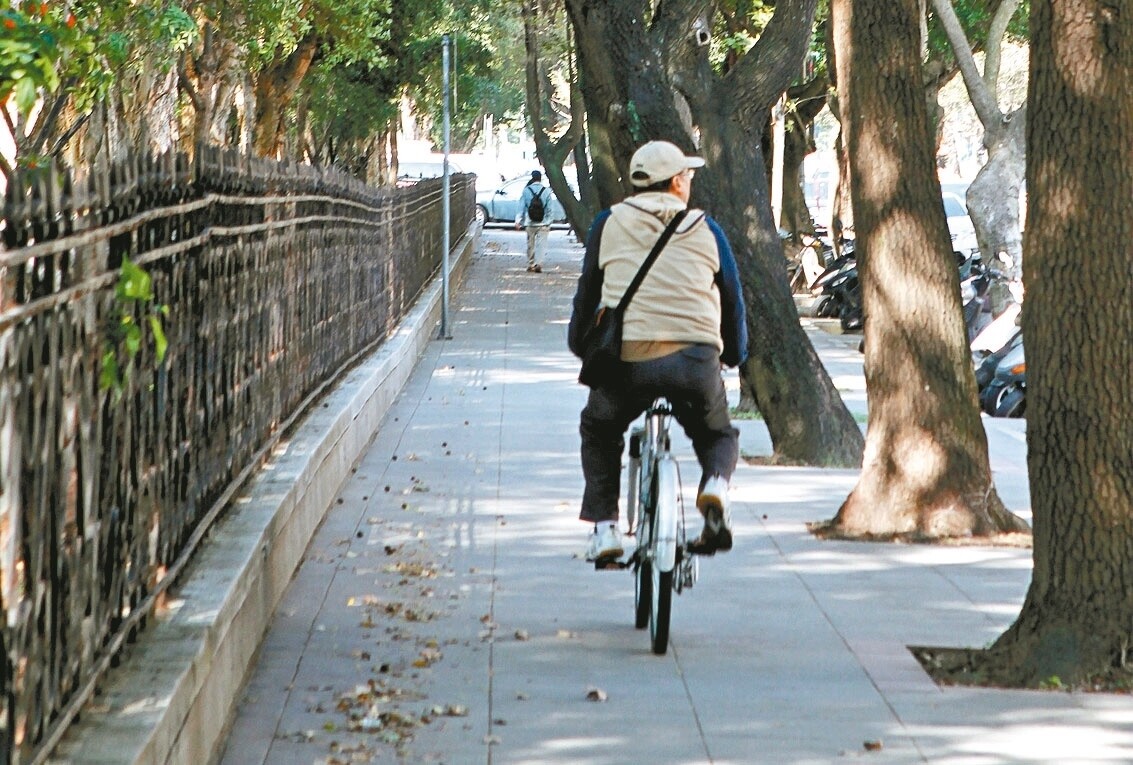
661	561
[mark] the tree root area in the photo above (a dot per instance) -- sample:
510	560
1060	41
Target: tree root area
828	530
981	668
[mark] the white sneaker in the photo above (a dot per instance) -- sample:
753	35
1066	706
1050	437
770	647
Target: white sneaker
714	494
713	505
605	544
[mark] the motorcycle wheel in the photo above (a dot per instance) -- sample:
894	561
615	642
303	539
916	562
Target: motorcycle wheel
991	396
851	319
1013	404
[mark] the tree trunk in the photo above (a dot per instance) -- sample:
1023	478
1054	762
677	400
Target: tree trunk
993	196
202	71
1075	622
809	100
553	153
605	30
275	87
925	472
805	416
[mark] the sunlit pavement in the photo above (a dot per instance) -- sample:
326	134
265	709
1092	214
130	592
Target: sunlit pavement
442	613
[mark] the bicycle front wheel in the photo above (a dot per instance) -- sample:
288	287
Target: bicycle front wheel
643	594
661	605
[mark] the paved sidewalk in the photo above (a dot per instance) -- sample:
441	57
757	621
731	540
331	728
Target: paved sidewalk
442	615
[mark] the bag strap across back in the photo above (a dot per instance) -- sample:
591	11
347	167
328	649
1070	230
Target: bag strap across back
639	277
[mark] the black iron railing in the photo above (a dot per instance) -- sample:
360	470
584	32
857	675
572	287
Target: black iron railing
276	278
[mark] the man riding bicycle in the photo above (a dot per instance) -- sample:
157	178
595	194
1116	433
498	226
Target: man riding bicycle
685	319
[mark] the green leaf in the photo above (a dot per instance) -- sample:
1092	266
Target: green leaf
160	343
109	376
135	283
133	338
26	95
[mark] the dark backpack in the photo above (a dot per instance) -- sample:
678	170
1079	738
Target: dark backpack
536	210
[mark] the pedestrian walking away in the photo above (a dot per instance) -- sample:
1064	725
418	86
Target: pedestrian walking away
686	319
534	214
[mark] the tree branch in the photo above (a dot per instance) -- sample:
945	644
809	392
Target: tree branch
767	69
69	134
993	56
983	100
39	139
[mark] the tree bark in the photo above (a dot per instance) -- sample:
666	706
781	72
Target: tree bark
275	88
925	472
1075	622
598	25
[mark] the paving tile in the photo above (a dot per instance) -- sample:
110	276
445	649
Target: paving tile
788	649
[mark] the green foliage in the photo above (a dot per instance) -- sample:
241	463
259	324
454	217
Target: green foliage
975	17
32	43
136	307
74	51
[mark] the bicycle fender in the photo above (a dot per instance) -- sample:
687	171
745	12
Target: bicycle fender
665	539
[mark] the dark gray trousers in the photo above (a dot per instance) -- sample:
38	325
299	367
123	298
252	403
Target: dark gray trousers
690	379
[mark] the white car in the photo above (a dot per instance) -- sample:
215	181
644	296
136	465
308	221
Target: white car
960	226
499	205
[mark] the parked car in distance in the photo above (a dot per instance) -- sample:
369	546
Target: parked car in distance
500	205
409	173
959	224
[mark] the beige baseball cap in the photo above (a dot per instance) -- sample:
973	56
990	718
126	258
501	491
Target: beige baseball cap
659	161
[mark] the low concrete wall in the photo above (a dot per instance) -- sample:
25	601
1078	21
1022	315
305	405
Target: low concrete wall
173	695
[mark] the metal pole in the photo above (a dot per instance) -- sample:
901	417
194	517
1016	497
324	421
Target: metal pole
446	203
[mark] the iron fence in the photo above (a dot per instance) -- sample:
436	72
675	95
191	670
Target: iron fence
276	277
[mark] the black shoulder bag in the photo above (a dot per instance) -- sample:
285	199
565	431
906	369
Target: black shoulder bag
602	364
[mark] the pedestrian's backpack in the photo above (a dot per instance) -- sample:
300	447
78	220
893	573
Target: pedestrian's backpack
536	210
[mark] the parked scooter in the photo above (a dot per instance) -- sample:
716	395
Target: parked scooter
1006	394
1000	365
832	285
994	342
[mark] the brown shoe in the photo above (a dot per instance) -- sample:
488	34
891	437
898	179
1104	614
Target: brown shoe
534	268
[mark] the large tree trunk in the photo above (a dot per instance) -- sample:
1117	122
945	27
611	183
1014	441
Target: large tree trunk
925	473
1075	622
803	410
805	416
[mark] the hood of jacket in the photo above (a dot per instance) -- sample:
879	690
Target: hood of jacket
644	216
